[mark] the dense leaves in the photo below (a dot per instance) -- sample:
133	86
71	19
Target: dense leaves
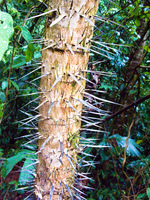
123	170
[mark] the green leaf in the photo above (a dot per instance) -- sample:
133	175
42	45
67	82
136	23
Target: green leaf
148	192
1	114
30	52
4	85
37	54
139	141
6	31
137	22
140	196
15	85
1	152
146	48
12	161
26	177
14	183
132	148
2	96
19	61
25	33
132	92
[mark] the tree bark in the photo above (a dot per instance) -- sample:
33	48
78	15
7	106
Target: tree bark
131	78
68	30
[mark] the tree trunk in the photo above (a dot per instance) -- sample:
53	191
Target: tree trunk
131	78
68	30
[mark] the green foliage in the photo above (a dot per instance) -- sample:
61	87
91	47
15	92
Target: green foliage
25	33
12	161
1	153
148	192
132	148
4	85
6	27
24	53
29	52
28	166
120	25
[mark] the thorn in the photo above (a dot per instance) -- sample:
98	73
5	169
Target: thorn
45	13
76	80
86	80
61	148
64	122
55	82
60	161
61	189
39	77
78	190
51	192
70	49
95	146
30	102
93	130
41	104
100	99
29	196
68	158
49	46
69	191
60	197
30	73
71	106
44	143
51	105
78	196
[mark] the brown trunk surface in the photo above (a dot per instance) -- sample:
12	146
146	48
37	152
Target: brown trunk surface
64	58
132	79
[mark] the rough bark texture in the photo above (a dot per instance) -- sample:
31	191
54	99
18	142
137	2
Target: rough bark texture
65	56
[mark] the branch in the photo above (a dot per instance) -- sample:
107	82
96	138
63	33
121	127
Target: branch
125	155
134	104
141	66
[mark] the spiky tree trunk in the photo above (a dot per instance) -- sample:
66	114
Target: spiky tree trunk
68	30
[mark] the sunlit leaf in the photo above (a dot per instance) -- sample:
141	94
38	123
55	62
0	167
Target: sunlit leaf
4	85
25	33
6	31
